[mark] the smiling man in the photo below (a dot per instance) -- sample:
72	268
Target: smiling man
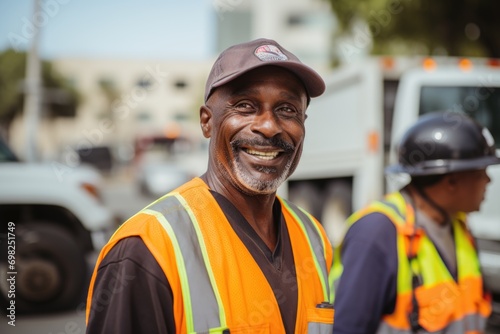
223	253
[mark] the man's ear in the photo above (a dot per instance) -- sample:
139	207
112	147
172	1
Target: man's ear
206	121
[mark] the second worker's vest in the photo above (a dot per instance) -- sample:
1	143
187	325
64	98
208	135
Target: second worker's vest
428	298
216	284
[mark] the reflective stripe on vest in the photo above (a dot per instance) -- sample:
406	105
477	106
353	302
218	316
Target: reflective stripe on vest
391	210
470	324
201	297
314	238
203	306
442	303
319	328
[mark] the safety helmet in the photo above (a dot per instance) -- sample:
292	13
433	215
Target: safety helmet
444	142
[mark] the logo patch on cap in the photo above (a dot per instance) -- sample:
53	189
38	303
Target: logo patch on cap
269	53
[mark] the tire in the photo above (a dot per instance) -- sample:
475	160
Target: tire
336	208
51	270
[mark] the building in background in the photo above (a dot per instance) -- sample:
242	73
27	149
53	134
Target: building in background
122	101
125	101
305	27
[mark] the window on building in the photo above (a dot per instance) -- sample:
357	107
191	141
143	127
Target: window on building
143	116
180	84
295	20
144	83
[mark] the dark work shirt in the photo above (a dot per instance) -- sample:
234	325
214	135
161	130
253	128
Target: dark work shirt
133	295
368	286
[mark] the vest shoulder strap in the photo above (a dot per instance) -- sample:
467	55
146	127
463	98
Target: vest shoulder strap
316	240
200	293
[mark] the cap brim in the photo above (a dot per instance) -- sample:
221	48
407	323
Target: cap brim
313	82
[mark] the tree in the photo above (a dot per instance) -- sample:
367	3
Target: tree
445	27
59	98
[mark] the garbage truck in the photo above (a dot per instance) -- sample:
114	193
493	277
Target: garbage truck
352	131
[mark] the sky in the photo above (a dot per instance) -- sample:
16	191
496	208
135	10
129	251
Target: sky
141	29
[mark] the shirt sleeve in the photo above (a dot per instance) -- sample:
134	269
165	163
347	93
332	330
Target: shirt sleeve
367	288
131	293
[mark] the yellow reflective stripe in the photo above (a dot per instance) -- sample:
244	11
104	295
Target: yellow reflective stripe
322	274
335	272
415	267
331	283
320	236
324	279
180	265
380	207
398	200
191	323
434	270
203	247
356	216
467	259
404	283
395	217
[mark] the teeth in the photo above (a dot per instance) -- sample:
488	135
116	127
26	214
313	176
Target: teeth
263	155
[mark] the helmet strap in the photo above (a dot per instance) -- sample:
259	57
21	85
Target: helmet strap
433	204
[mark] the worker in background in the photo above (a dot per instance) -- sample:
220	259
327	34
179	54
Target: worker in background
223	253
408	263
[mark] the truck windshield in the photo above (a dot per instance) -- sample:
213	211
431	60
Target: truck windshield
479	102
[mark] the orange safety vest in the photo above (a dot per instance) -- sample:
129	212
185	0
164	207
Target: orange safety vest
216	284
426	291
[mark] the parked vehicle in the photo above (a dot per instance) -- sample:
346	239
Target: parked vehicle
163	164
52	217
353	128
157	178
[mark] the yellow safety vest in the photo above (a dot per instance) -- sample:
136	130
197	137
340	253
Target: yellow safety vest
216	284
426	291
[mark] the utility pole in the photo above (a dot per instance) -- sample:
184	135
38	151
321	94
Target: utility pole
32	99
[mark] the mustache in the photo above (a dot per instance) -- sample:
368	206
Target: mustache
275	142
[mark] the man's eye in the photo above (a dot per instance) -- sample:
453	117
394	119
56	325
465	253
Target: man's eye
287	110
244	106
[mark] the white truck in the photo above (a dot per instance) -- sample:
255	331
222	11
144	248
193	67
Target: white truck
353	128
52	222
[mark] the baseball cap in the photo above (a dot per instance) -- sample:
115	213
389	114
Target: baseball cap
242	58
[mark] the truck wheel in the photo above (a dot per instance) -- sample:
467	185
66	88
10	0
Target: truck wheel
51	270
306	196
337	206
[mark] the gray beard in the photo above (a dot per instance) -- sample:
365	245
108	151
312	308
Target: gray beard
257	186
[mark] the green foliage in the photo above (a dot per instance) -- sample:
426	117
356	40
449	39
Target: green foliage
12	71
444	27
59	97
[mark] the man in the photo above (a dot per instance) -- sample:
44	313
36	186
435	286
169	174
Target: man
409	262
223	253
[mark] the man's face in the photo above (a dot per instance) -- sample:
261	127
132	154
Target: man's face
470	189
256	126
